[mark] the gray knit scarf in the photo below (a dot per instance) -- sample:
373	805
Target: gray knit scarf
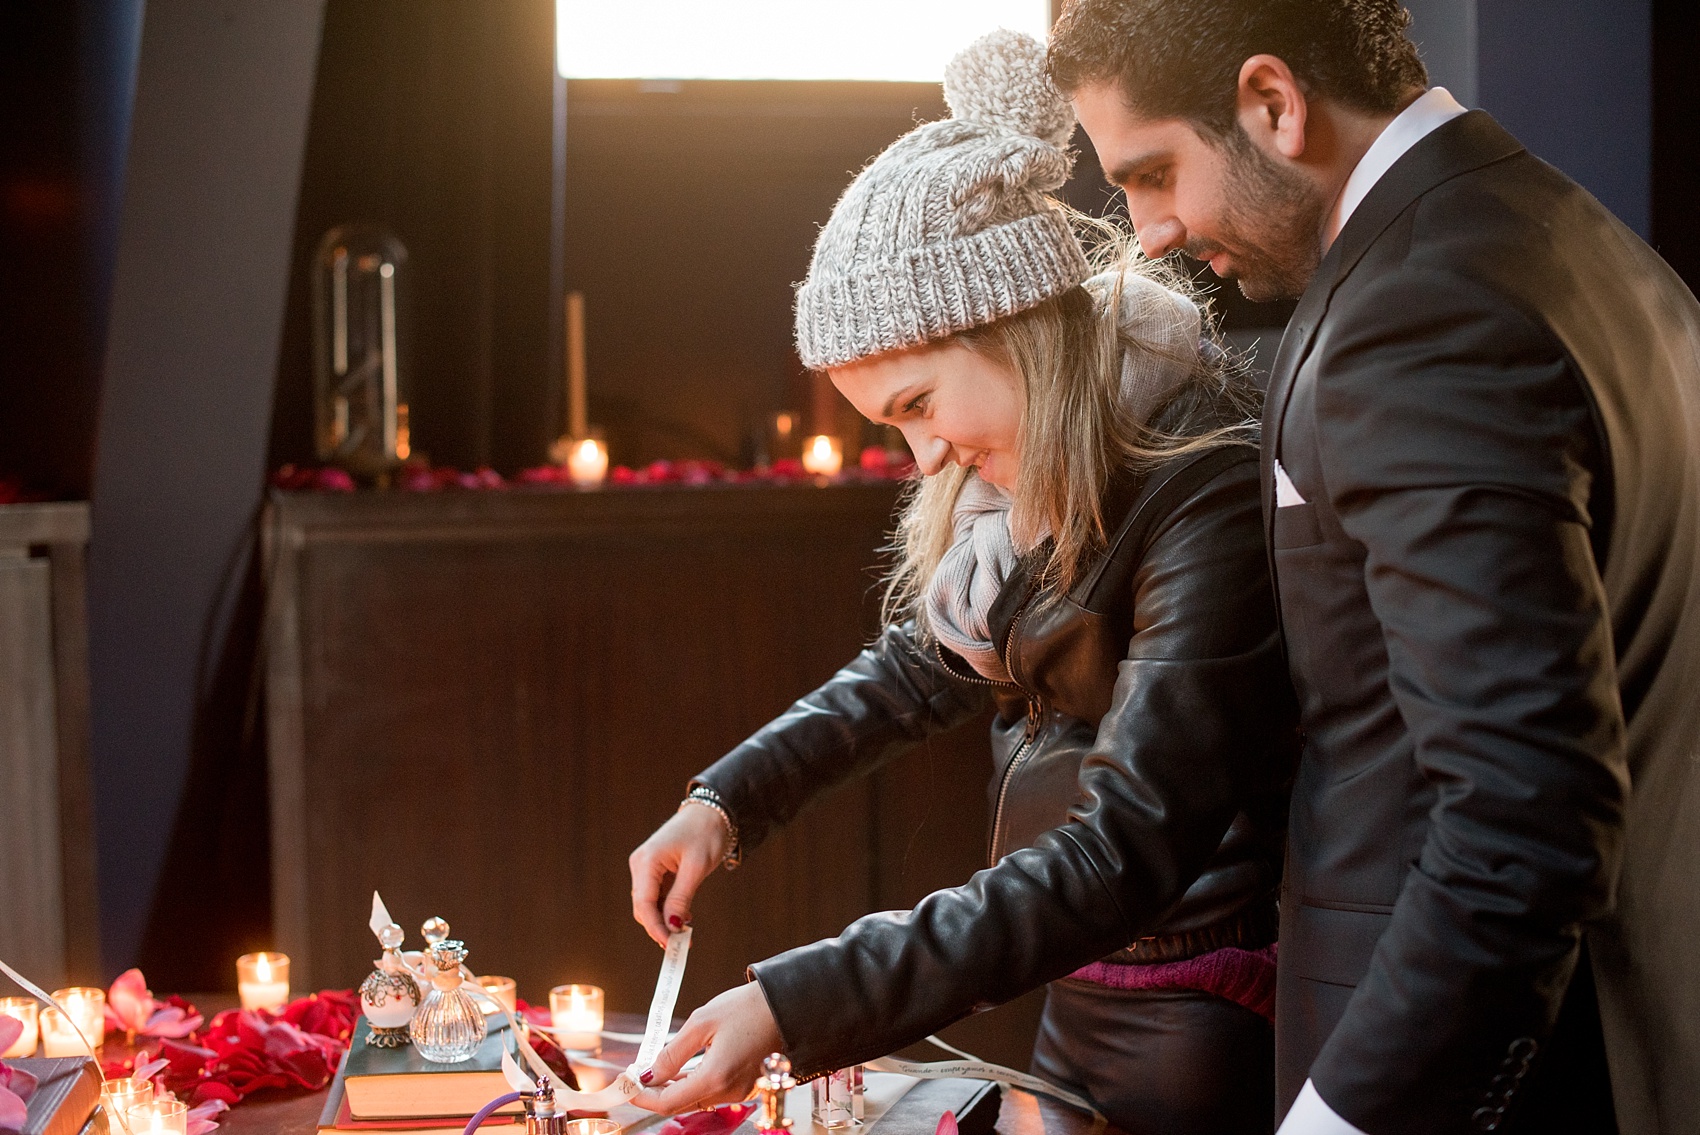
983	553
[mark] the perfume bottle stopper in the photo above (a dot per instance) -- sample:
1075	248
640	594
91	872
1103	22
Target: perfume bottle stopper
541	1118
775	1080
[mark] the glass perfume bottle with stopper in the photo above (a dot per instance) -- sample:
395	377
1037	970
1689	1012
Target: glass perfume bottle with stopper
839	1099
449	1026
389	996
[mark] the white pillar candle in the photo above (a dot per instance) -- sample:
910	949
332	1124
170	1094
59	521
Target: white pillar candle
576	1013
86	1006
587	462
262	980
25	1010
118	1097
160	1117
502	989
59	1037
823	455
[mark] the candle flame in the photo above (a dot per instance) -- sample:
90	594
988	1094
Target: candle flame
822	455
262	968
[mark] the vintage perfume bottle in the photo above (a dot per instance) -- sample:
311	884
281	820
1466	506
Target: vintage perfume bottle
838	1099
360	350
389	996
449	1026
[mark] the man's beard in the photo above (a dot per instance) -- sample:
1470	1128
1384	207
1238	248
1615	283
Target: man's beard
1272	224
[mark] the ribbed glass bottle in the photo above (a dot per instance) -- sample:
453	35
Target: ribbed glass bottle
449	1026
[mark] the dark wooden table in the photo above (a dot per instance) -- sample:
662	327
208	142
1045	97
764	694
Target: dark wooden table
273	1113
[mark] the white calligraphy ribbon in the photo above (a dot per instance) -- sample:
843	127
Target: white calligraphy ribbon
973	1068
655	1032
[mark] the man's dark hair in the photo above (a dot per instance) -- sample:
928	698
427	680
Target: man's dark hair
1181	58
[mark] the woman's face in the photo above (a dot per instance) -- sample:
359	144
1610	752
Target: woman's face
952	404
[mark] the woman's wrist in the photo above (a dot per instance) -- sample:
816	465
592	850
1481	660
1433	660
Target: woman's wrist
705	796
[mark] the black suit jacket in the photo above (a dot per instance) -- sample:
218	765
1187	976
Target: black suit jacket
1489	399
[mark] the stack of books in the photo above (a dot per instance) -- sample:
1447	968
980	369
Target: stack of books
395	1091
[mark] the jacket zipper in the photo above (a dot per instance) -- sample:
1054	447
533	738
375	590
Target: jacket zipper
1025	749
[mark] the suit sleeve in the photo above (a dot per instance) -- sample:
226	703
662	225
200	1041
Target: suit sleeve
1201	717
1458	447
890	697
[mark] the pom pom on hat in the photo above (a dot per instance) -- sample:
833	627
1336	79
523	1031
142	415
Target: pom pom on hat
999	80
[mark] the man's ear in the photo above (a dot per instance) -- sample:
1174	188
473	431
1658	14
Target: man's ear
1271	106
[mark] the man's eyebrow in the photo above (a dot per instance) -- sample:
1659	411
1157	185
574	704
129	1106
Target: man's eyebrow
1123	172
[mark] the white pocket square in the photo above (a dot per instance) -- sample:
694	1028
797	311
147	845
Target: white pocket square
1286	493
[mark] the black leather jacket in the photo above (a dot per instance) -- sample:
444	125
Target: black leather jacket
1162	663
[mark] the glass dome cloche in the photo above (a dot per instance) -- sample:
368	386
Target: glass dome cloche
360	364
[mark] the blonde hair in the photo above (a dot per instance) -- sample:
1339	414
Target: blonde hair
1075	434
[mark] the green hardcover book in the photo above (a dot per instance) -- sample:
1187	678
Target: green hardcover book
398	1083
67	1093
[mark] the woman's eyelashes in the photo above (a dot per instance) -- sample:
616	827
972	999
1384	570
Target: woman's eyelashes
915	405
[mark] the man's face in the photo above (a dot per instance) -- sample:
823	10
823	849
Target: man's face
1251	217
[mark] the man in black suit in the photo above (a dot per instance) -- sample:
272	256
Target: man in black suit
1482	481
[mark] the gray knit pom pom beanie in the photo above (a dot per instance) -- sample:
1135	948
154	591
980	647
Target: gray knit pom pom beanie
950	228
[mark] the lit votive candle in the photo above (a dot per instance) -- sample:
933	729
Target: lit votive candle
592	1127
576	1013
59	1036
160	1117
24	1009
502	989
87	1007
119	1096
823	455
587	462
262	980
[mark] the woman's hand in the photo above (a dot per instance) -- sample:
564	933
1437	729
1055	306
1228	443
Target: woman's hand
739	1031
669	866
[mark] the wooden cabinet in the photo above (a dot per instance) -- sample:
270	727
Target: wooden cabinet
48	904
479	703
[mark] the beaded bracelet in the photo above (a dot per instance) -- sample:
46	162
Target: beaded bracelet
709	798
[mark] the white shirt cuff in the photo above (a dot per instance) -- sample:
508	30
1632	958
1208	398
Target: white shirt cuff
1311	1115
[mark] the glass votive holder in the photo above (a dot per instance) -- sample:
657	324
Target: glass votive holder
576	1013
25	1010
160	1117
587	462
501	989
823	455
87	1007
592	1127
118	1097
59	1036
262	980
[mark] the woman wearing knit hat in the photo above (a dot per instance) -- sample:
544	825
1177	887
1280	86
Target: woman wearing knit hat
1084	554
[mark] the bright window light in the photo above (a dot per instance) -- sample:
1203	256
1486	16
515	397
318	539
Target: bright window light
890	40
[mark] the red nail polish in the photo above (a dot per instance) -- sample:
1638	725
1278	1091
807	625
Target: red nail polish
647	1076
675	922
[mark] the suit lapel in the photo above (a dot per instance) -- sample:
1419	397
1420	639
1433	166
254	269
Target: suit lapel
1468	142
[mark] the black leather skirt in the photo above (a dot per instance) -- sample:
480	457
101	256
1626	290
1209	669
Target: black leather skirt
1160	1061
